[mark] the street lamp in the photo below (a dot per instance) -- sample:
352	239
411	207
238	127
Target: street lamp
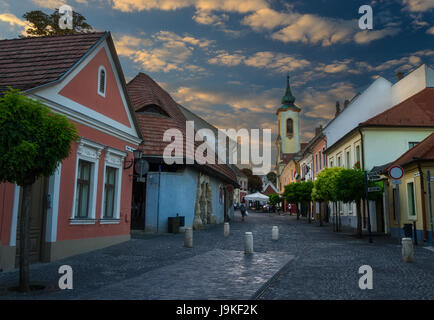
137	155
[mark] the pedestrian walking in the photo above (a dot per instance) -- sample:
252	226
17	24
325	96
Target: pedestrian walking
243	211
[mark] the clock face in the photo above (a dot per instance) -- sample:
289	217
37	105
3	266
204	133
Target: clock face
141	167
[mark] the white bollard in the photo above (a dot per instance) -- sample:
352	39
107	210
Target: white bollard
248	243
407	249
275	233
188	237
226	229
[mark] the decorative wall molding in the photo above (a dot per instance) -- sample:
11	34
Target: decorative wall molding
89	149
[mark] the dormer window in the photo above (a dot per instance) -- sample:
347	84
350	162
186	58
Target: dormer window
102	74
153	109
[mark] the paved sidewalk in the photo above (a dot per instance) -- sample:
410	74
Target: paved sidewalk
314	263
151	266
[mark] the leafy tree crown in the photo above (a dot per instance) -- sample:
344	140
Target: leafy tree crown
33	140
43	24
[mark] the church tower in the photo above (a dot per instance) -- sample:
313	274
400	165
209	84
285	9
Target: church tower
288	137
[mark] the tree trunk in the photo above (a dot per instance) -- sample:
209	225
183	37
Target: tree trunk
320	215
298	212
309	212
359	218
24	239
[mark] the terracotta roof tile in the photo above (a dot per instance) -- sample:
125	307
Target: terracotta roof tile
416	111
144	91
34	61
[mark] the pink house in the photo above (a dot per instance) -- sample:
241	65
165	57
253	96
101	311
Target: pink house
319	162
86	204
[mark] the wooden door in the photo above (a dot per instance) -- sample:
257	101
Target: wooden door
37	221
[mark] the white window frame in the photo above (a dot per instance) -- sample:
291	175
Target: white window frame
331	161
88	151
99	81
355	154
339	159
348	158
407	182
114	159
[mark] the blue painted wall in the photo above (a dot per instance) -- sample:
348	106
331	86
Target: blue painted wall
177	196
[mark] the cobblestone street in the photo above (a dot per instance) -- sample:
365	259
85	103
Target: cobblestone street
307	262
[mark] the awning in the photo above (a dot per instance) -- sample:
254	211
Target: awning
257	197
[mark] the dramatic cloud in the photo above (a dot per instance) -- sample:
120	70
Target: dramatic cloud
321	104
12	20
418	5
312	29
266	19
53	4
200	5
430	31
368	36
276	62
163	52
15	23
227	59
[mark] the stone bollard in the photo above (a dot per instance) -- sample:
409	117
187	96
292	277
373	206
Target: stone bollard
407	249
226	229
248	243
188	237
275	233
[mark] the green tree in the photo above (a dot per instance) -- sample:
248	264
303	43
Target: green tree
350	186
299	193
271	176
33	141
274	200
43	24
325	187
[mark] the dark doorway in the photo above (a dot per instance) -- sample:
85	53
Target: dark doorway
380	215
138	206
37	218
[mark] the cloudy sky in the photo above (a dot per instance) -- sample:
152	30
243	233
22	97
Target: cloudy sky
227	59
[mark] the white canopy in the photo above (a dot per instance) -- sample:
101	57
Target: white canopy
257	197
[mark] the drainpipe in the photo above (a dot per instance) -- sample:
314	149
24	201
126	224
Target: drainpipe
422	197
158	201
362	166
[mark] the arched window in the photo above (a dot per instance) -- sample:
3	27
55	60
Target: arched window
289	127
102	81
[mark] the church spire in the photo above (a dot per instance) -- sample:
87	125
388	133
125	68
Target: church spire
288	99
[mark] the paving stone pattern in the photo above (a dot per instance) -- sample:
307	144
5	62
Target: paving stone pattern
307	262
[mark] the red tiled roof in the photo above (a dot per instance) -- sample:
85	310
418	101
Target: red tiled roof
416	111
423	150
34	61
144	91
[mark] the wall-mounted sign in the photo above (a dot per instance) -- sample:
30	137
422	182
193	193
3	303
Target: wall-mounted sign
374	189
129	149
